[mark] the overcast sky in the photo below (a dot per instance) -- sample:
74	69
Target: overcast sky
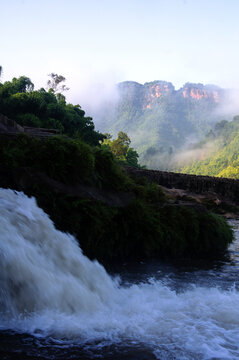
107	41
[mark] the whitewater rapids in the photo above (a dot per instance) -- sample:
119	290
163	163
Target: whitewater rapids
48	288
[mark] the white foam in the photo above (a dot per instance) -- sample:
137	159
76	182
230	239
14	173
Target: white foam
49	288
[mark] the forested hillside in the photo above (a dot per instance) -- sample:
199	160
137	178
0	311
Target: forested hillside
219	152
160	119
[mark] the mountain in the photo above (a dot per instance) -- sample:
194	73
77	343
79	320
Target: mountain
161	120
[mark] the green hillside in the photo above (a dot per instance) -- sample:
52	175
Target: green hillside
223	158
159	119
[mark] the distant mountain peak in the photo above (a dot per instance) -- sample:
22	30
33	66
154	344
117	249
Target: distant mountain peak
200	91
154	90
161	120
150	93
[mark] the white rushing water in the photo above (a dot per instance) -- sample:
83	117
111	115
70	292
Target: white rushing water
49	288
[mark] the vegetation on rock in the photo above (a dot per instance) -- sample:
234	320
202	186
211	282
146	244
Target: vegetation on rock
74	178
145	226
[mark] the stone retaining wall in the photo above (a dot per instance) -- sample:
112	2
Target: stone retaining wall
227	189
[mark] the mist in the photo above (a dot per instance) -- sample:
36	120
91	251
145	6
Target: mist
186	156
229	106
94	92
97	94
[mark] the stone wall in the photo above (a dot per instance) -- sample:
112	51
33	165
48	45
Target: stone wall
227	189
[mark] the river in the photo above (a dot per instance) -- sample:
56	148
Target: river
57	304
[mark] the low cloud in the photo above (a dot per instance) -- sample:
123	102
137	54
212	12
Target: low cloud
187	156
229	106
94	92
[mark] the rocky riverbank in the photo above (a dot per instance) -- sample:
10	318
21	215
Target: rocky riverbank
219	195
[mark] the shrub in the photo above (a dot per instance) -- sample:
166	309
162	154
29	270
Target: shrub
70	161
108	173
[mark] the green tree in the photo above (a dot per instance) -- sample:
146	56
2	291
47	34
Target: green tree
121	149
132	158
55	83
46	109
221	125
19	85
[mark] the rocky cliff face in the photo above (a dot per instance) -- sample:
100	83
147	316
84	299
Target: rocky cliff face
155	90
202	92
149	94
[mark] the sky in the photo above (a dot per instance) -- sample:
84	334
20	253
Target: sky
97	43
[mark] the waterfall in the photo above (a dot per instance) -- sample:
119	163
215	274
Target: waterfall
48	287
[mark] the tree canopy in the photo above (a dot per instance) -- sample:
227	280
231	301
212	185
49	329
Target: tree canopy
47	109
120	147
55	83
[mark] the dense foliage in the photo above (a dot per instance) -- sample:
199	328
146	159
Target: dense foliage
139	230
55	156
121	149
144	226
45	109
220	152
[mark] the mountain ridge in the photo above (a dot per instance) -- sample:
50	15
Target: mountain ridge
157	88
160	119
